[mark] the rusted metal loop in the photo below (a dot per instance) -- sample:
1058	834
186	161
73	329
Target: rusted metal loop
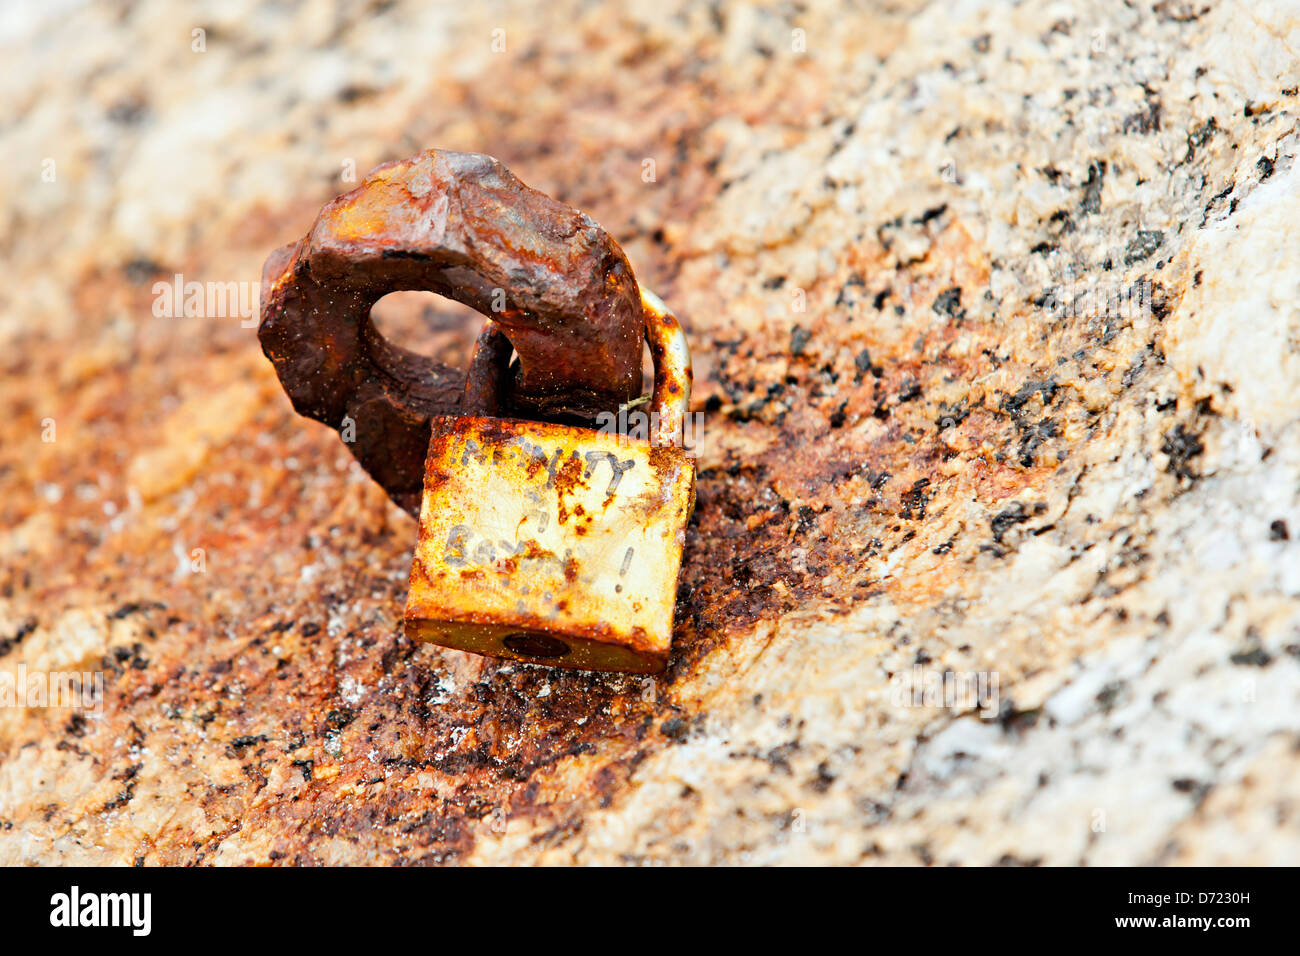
461	225
487	384
485	381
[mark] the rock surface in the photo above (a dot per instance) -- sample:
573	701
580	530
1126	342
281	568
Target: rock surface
995	314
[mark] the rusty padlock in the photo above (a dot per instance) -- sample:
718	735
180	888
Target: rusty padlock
538	541
556	544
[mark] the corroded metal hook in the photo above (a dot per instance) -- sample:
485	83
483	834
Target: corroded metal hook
461	225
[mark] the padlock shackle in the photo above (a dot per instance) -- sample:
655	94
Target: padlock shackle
669	351
673	374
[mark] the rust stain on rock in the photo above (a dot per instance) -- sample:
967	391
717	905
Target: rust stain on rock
890	449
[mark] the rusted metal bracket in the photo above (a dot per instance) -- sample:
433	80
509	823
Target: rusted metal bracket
554	283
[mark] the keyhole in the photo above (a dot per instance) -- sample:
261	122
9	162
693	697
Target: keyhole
535	645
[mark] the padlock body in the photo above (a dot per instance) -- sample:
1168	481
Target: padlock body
549	544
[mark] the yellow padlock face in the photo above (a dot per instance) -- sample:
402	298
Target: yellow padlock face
549	544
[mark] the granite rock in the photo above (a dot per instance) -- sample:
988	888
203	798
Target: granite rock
997	340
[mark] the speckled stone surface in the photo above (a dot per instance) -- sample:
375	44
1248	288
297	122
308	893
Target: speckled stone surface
995	315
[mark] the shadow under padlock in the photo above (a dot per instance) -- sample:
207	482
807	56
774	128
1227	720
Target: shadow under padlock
552	543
